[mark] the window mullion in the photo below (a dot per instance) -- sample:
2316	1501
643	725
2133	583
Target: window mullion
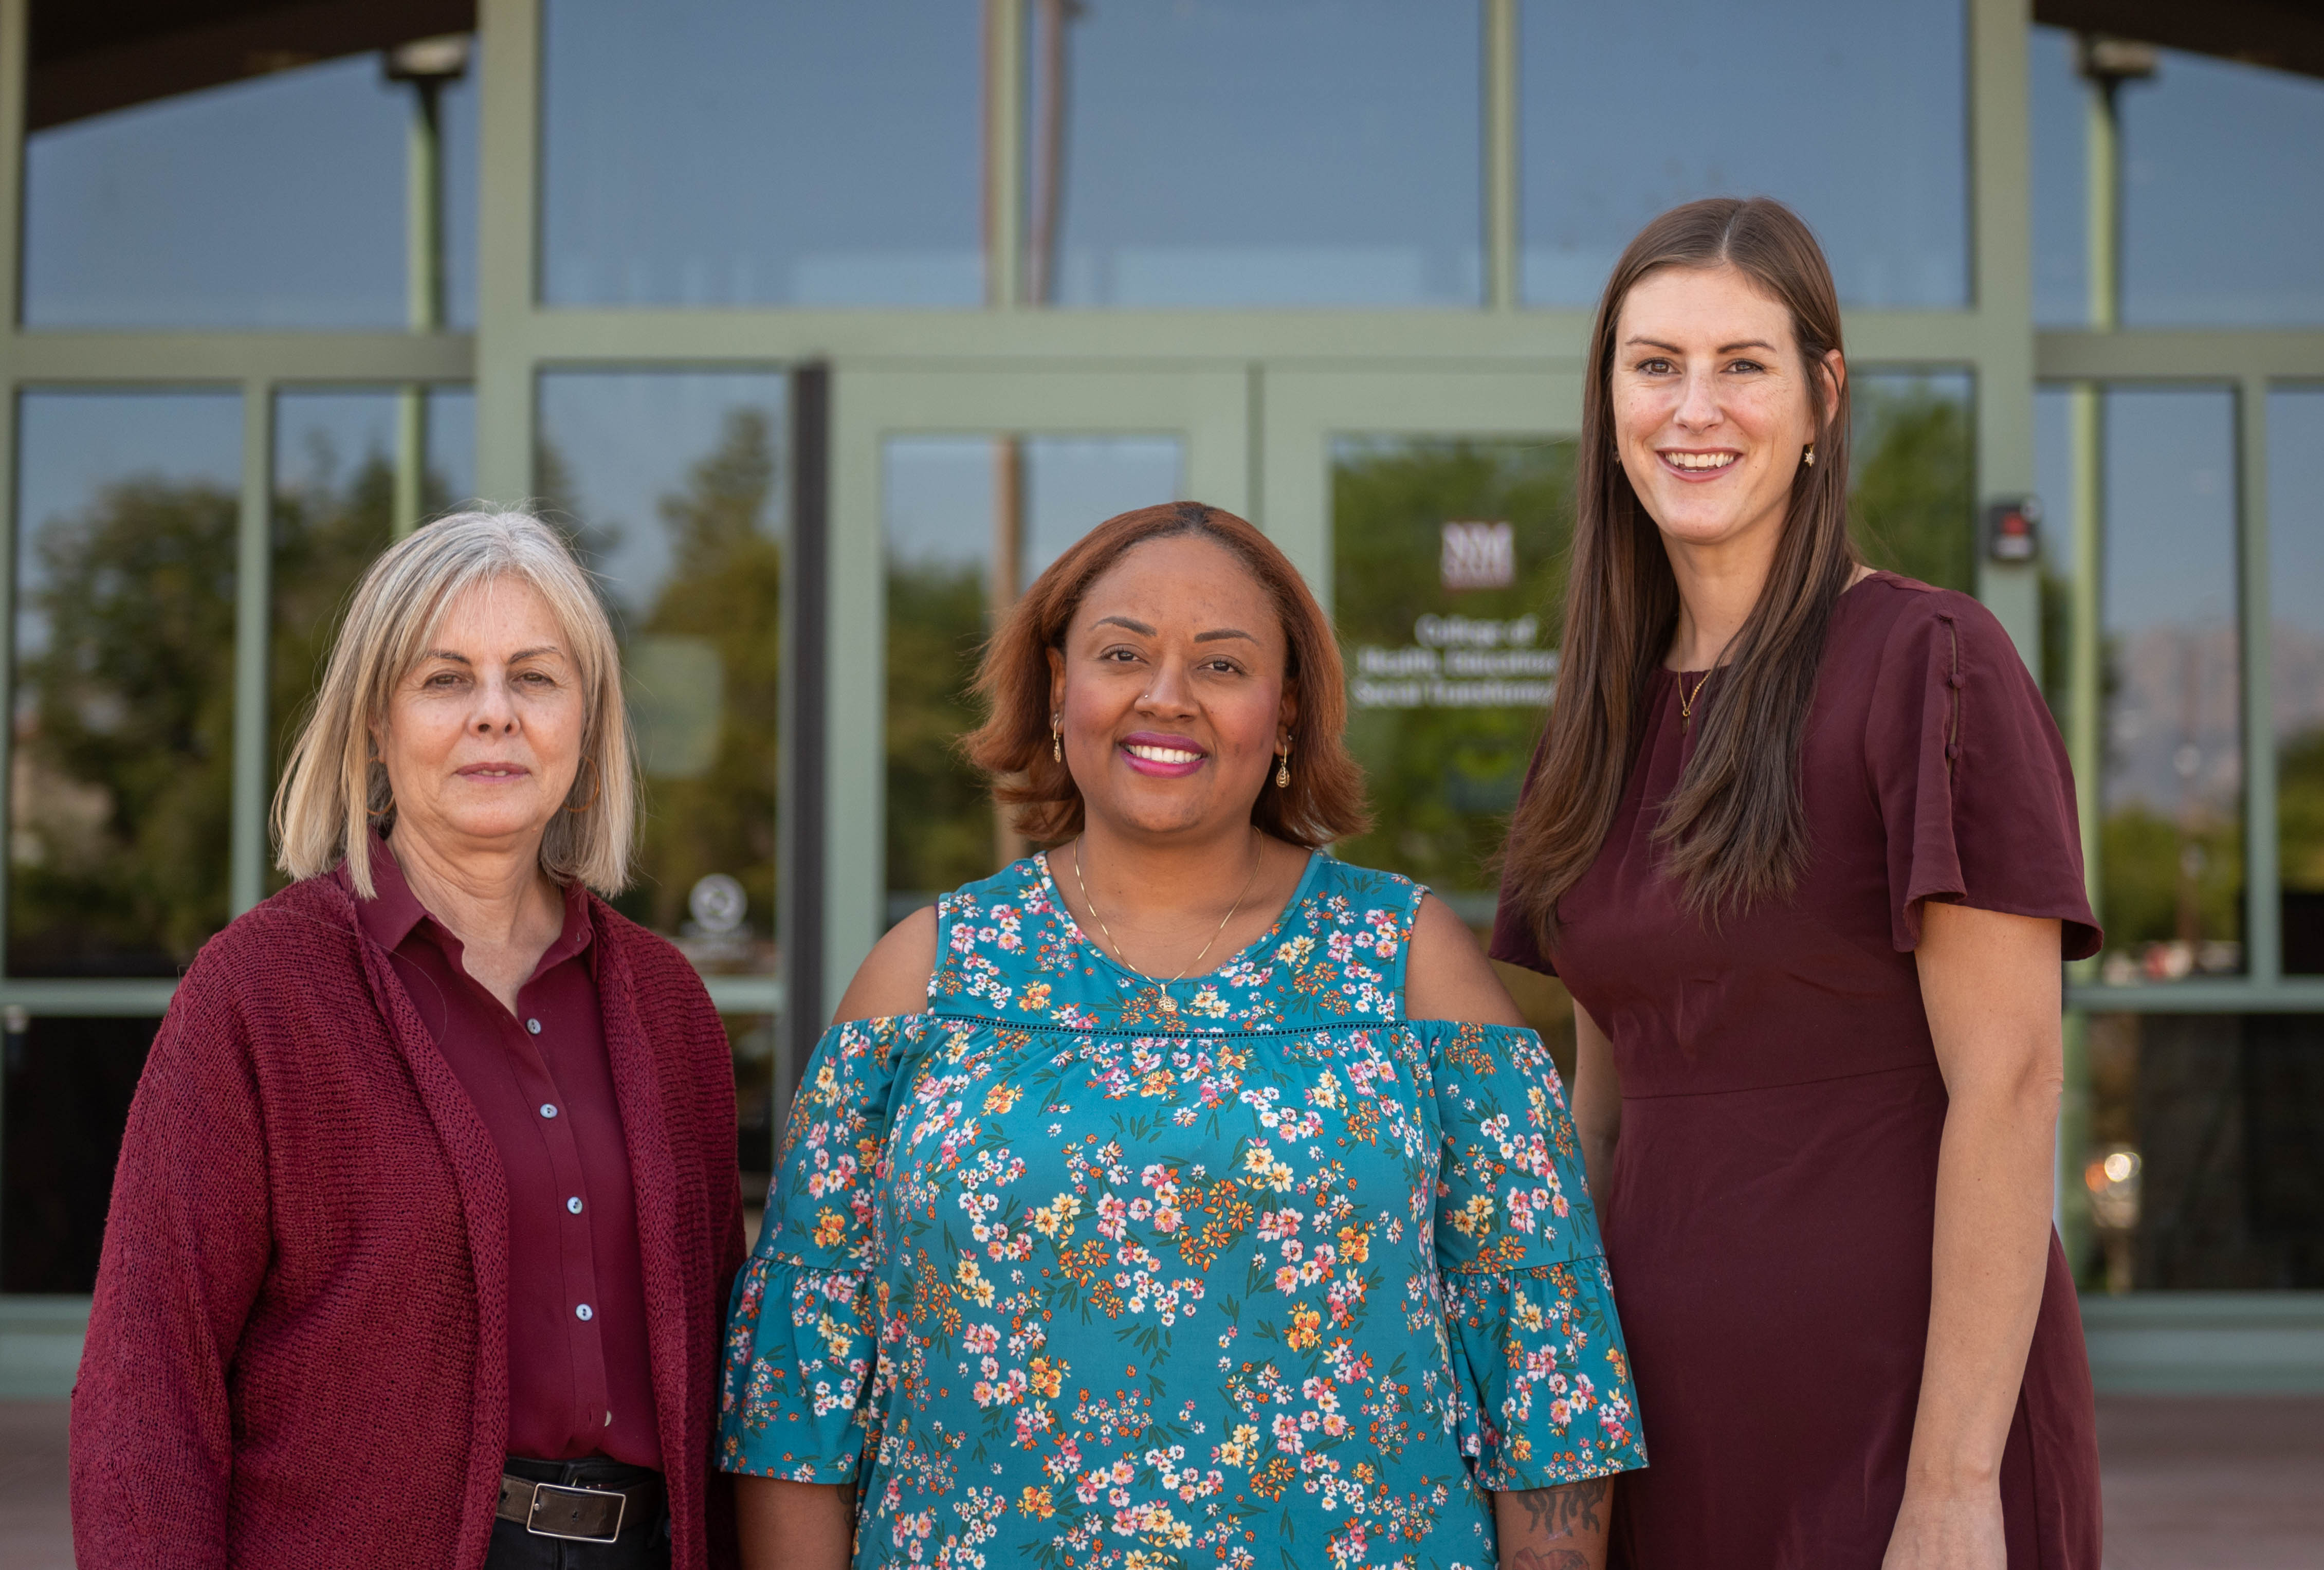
2262	904
252	598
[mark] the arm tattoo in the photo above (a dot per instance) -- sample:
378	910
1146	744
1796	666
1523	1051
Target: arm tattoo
1548	1559
1560	1512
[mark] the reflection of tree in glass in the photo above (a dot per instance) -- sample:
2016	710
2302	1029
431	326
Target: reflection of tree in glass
123	737
325	535
1911	496
1443	781
940	824
724	588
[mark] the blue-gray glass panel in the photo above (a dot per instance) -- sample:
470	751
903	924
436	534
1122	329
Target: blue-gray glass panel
1914	464
127	506
673	484
1257	152
2223	196
2059	154
278	201
1855	114
2170	834
780	152
2295	528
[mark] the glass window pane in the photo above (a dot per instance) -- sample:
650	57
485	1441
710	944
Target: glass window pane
2060	153
2295	528
2223	195
336	480
64	1101
1855	116
954	507
728	152
674	483
1915	469
2055	483
126	506
278	201
2206	1165
1448	587
1247	153
2171	840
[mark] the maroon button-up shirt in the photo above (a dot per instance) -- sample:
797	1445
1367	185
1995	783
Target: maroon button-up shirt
580	1382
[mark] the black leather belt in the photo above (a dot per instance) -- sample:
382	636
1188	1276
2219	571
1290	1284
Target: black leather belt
575	1512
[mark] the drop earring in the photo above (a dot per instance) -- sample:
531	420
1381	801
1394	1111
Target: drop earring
1283	770
1057	741
1808	457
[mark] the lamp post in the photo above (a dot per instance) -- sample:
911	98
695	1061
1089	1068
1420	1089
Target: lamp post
430	65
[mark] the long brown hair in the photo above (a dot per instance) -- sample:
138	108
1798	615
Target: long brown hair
1325	800
1733	830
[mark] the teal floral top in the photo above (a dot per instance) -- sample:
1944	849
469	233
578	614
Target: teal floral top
1073	1269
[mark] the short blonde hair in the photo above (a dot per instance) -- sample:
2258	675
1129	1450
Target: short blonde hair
334	788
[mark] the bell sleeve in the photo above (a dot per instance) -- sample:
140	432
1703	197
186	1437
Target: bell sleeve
1536	1346
802	1332
1975	790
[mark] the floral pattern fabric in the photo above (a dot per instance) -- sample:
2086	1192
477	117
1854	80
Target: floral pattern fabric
1076	1270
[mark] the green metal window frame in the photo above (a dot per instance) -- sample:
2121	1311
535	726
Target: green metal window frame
1273	376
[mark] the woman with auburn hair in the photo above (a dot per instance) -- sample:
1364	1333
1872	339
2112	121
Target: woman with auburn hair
428	1205
1801	841
1179	1194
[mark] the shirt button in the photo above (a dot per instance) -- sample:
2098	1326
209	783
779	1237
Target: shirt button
547	1111
533	1026
574	1205
584	1312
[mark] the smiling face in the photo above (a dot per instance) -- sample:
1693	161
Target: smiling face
483	736
1712	404
1170	687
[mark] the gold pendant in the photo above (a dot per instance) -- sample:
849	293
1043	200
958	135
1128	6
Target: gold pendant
1169	1004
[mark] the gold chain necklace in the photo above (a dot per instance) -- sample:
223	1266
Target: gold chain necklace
1686	699
1169	1004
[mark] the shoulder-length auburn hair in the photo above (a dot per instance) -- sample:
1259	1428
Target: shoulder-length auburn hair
1733	830
334	787
1325	800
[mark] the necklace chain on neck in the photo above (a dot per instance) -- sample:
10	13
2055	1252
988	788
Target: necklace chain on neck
1170	1004
1686	699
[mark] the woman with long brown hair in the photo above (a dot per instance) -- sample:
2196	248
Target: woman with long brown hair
1179	1195
1800	839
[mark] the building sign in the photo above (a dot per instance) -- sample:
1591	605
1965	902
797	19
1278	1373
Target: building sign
1478	556
1458	662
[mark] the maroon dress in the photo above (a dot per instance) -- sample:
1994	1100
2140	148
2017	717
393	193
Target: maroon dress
1772	1206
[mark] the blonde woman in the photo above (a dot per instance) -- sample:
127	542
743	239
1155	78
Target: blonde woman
428	1207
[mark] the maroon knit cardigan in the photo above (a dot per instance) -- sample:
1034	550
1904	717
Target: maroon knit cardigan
296	1354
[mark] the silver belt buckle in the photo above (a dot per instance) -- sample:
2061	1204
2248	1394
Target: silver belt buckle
621	1511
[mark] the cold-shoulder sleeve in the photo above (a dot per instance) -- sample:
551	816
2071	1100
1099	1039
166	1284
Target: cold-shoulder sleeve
801	1341
1974	786
1528	1306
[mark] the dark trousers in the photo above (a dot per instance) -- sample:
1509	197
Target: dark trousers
644	1545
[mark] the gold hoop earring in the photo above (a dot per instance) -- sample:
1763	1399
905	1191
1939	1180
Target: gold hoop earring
596	787
1057	741
1808	457
1283	770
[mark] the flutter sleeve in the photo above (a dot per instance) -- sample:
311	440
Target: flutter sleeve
1528	1306
1976	792
802	1334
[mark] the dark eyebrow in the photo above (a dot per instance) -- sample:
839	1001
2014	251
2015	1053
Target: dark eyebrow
1224	632
447	654
1723	349
531	653
1138	627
